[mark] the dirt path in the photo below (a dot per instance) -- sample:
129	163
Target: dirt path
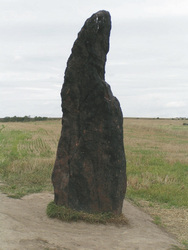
25	226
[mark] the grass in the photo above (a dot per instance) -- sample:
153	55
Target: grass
157	161
185	247
27	153
157	164
157	169
157	220
67	214
156	152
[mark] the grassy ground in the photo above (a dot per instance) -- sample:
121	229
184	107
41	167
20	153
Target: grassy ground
157	169
27	153
157	160
157	164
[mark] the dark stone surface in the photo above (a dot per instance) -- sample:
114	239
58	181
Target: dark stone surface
90	168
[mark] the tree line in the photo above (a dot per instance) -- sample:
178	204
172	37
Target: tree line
23	119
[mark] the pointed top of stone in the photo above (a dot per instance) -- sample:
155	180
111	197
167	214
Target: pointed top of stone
92	43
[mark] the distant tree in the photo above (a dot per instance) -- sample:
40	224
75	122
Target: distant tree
23	119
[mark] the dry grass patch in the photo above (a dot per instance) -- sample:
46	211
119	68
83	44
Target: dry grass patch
174	220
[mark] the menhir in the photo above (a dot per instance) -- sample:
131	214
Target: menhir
90	167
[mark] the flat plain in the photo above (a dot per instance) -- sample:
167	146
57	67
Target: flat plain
157	168
157	165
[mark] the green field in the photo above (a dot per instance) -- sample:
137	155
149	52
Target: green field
27	154
156	152
157	164
157	160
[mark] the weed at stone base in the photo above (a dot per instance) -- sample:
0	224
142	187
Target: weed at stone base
67	214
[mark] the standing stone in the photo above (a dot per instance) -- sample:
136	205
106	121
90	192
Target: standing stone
90	168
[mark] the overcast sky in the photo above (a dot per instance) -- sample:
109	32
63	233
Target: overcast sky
147	65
